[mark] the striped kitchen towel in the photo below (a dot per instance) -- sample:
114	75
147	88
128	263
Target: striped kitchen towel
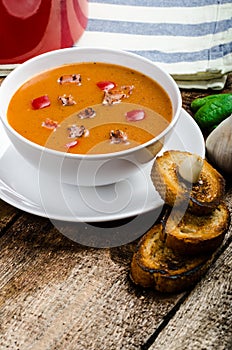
192	40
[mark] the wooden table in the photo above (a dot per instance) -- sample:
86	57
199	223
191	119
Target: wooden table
59	295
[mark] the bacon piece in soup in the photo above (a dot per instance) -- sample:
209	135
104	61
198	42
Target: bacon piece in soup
118	136
77	131
50	124
70	78
114	96
67	100
87	113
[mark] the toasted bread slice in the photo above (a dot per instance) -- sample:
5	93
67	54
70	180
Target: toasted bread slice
157	266
186	233
200	197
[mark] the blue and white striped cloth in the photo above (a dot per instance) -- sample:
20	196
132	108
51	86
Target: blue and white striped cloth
192	40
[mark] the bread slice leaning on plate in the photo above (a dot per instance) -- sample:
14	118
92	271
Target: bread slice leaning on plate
191	234
200	197
156	266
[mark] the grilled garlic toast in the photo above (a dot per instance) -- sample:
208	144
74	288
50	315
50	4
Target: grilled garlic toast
191	234
175	253
201	197
156	266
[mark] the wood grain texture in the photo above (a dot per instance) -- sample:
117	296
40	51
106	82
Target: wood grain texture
56	294
7	215
204	320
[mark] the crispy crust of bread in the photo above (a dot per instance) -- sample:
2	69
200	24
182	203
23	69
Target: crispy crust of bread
176	252
156	266
200	198
193	234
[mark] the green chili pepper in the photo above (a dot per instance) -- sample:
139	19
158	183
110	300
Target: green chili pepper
212	110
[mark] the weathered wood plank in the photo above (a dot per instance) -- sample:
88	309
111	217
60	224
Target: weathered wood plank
56	294
7	215
204	320
14	245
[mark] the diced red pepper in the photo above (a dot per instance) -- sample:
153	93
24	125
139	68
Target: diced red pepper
135	114
106	85
40	102
71	144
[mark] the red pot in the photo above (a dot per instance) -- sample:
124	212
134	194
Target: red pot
32	27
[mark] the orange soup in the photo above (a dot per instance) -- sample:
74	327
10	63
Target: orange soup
90	108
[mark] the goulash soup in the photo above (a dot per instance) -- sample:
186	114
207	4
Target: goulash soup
90	108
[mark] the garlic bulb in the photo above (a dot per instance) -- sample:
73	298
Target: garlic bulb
219	146
190	168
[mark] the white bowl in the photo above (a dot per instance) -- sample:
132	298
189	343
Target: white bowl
87	170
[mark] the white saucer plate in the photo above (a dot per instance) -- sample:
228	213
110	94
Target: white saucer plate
25	188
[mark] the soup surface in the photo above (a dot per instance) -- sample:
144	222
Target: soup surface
90	108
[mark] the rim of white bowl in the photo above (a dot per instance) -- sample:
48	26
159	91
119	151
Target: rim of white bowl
72	50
